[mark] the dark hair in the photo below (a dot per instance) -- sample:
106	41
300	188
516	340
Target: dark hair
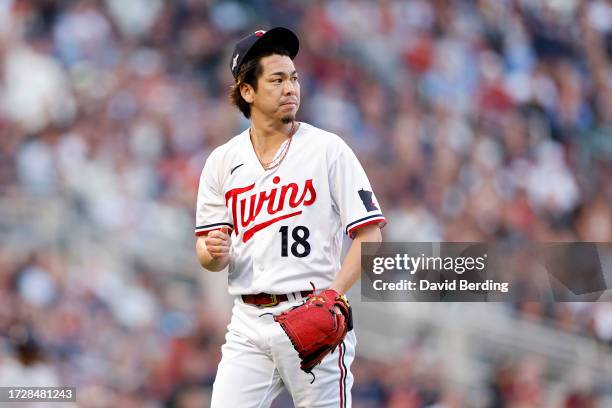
248	73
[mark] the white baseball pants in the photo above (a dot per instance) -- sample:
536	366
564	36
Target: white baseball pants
258	360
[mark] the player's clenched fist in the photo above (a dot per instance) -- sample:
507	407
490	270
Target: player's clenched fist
218	244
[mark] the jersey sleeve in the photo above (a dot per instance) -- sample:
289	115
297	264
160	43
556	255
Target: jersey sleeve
211	211
352	193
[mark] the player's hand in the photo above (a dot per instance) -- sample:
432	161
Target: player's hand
218	244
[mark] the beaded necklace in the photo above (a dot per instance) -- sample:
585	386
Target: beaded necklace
278	159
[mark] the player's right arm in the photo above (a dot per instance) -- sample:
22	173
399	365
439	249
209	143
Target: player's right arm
213	224
213	250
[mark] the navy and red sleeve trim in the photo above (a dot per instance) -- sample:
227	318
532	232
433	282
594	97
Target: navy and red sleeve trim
205	229
362	222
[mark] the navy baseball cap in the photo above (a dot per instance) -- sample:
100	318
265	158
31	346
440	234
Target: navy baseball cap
247	47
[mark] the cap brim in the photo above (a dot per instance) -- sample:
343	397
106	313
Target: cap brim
278	36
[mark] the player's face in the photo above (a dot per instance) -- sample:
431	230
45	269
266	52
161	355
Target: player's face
278	89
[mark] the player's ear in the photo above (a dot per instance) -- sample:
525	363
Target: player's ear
247	92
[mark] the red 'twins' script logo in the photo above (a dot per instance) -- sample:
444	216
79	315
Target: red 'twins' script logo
289	195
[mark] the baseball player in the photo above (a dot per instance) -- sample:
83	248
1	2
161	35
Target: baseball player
273	203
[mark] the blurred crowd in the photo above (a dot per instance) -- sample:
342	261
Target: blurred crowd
476	120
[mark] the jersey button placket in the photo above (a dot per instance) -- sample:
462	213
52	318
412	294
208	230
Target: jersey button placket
257	259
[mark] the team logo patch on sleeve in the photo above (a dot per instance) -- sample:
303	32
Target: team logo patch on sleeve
366	199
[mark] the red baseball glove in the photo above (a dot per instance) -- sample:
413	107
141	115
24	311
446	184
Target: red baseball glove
317	327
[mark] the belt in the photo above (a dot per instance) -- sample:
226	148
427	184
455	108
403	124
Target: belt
269	300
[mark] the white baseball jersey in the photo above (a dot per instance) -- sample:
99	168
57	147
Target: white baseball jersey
286	222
